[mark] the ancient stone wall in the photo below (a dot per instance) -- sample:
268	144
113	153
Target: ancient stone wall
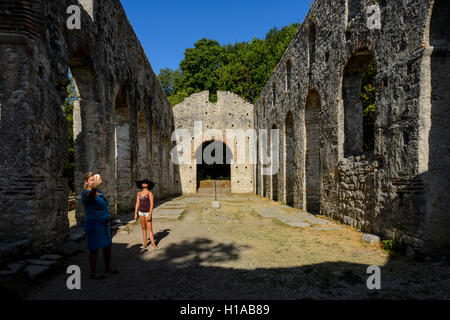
117	89
400	186
229	112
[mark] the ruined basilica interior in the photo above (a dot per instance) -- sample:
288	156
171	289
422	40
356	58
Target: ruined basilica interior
123	122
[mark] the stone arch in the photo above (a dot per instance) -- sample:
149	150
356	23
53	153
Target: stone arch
142	157
312	153
170	145
354	121
438	31
288	161
213	171
85	108
164	166
123	163
266	153
435	135
156	162
274	145
311	44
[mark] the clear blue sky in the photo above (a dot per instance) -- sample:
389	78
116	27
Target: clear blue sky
166	28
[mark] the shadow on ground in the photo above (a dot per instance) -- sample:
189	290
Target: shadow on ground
202	269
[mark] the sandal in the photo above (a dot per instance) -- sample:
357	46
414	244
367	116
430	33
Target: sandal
143	250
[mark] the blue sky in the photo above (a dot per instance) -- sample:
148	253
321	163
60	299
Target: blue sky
167	28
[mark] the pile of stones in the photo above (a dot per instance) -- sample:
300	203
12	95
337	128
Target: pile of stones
35	266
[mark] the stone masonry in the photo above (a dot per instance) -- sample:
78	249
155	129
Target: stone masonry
122	120
229	112
123	123
401	186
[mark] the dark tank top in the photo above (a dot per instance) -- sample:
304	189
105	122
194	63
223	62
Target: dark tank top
144	203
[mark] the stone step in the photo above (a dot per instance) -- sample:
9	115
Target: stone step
76	235
294	219
69	248
41	262
172	214
34	271
50	256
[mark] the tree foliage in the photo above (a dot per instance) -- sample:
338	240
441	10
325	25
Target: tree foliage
167	78
67	109
242	68
368	105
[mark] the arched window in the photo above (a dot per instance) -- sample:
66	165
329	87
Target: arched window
312	153
274	156
124	194
359	114
155	161
142	146
289	158
436	135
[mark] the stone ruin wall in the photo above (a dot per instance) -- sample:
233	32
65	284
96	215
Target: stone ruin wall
120	100
229	112
400	187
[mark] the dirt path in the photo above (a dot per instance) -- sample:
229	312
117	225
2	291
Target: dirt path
235	253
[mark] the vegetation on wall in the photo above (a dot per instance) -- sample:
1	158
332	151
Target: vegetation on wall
368	106
67	108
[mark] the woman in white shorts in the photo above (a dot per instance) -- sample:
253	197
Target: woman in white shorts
144	207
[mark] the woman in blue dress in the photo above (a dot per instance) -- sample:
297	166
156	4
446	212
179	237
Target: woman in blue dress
96	223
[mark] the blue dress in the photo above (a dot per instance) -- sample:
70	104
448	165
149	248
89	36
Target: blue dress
96	221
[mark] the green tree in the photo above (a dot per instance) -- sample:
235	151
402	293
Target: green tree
67	109
199	67
167	77
243	68
368	105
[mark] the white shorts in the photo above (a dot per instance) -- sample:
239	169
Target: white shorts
143	214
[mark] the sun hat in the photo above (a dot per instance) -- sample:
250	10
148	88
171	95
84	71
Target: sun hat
150	183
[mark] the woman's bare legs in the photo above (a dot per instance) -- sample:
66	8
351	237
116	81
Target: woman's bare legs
93	262
150	231
144	229
107	253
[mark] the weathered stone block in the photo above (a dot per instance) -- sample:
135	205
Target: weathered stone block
371	238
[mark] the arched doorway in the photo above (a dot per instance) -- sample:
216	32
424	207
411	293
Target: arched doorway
436	135
359	115
215	159
124	194
274	147
79	109
312	152
289	158
143	167
155	161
